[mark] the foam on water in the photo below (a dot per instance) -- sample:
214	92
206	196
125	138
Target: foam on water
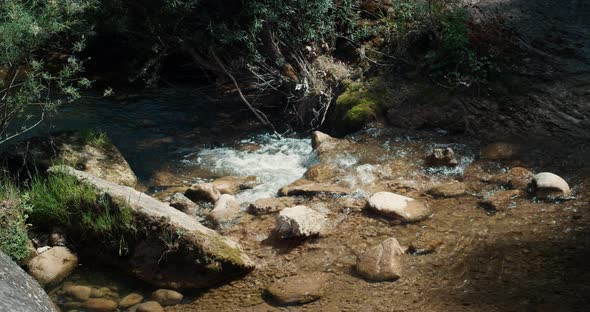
277	163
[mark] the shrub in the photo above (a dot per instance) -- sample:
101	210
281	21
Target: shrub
13	229
95	139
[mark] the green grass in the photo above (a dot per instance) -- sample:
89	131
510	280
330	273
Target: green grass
95	139
13	228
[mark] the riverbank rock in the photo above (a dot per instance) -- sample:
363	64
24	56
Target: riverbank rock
52	266
298	289
232	185
19	292
166	297
550	184
382	262
309	188
149	306
517	178
100	305
226	210
86	151
318	138
202	258
498	151
79	292
441	157
452	189
271	205
399	207
182	203
203	192
300	221
130	300
502	200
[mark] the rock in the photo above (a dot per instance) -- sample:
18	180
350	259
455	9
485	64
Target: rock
300	221
382	262
517	177
549	184
165	178
52	266
271	205
19	292
182	203
203	257
352	204
150	306
57	239
167	297
499	151
452	189
78	292
232	185
203	191
310	188
318	138
226	210
501	200
320	172
43	249
298	289
399	207
441	157
130	300
100	305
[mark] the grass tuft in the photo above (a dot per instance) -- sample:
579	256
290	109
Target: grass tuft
13	228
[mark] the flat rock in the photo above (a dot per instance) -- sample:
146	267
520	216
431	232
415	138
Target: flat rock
100	305
452	189
130	300
298	289
550	184
271	205
382	262
232	184
203	192
516	178
399	207
501	200
309	188
300	221
227	209
441	157
52	266
167	297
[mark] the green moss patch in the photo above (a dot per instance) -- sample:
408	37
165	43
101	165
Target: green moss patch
359	104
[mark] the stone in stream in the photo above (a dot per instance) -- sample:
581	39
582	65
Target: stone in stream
130	300
441	157
382	262
203	192
400	207
270	205
300	221
227	209
318	138
501	200
298	289
79	292
232	185
203	257
19	292
182	203
309	188
100	305
52	266
148	306
167	297
549	184
515	178
451	189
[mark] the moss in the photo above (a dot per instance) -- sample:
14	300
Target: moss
359	104
224	253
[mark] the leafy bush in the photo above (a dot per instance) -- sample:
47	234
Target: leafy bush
13	229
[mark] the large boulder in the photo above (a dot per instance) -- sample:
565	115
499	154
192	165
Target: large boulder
300	221
200	258
298	289
399	207
550	184
52	266
382	262
19	292
232	184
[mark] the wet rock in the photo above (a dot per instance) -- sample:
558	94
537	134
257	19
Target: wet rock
318	138
149	306
499	151
204	257
130	300
441	157
249	147
501	200
271	205
18	291
226	210
52	266
232	185
452	189
203	191
78	292
399	207
309	188
352	204
517	178
298	289
300	221
182	203
100	305
382	262
167	297
165	178
320	172
549	184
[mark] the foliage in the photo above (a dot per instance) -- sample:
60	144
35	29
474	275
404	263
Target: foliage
359	104
13	215
38	69
95	139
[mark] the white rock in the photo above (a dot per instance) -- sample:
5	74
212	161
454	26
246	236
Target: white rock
399	207
382	262
227	209
52	266
300	221
547	183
